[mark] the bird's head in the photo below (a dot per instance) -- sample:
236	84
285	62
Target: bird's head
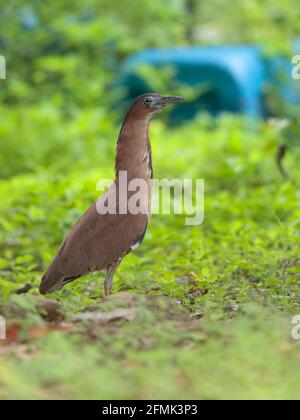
149	104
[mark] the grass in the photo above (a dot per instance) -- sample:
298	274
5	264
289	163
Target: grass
151	357
213	303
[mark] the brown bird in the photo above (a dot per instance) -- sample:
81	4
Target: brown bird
116	224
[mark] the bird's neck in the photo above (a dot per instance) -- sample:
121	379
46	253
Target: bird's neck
134	150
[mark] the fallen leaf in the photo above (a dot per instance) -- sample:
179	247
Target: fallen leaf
24	289
41	331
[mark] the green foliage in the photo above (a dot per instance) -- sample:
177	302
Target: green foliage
32	136
246	251
240	249
72	52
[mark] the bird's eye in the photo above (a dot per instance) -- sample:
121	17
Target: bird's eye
147	101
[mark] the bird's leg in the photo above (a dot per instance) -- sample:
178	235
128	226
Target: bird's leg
109	276
109	280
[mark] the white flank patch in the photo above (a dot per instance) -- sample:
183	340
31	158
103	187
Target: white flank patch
135	246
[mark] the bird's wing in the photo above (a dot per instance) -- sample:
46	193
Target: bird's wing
95	242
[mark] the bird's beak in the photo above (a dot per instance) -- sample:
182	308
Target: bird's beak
170	100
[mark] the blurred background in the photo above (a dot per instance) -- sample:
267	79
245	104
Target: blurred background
72	70
75	63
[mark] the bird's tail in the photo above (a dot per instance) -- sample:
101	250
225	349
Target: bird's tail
52	280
